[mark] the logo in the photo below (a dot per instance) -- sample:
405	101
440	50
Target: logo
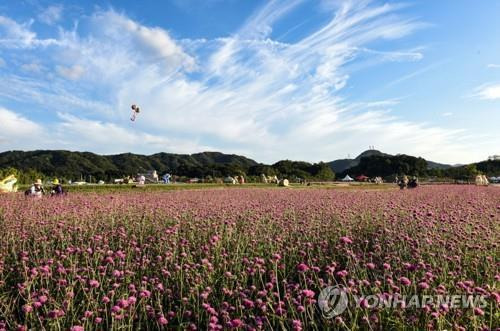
332	301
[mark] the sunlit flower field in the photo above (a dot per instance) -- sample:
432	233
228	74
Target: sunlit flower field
247	258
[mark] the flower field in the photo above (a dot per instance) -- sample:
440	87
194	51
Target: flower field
247	258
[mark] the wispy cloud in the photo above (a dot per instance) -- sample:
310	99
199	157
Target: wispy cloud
493	66
51	14
487	92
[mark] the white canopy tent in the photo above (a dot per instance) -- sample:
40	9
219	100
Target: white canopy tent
347	178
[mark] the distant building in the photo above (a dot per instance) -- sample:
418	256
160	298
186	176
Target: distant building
494	158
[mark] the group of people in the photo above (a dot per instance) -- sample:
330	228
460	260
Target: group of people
405	182
37	190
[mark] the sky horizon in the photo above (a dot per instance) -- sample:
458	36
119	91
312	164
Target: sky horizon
270	80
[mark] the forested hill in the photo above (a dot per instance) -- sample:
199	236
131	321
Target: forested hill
73	165
342	165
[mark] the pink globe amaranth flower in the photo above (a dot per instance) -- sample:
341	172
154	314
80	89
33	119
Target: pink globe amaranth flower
98	320
405	281
94	283
297	325
308	293
77	328
386	266
116	309
132	300
88	314
346	240
123	303
478	311
363	303
236	323
27	309
106	300
341	273
42	299
302	267
162	320
423	285
248	303
144	294
370	266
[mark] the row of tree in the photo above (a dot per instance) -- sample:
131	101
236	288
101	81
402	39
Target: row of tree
77	166
28	166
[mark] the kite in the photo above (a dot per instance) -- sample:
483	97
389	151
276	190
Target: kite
135	111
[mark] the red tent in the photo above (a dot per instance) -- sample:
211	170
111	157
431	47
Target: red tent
362	178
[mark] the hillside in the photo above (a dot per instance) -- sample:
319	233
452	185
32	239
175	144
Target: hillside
344	164
341	165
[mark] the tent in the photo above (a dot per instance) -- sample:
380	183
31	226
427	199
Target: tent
347	178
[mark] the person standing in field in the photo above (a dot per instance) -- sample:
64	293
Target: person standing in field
57	188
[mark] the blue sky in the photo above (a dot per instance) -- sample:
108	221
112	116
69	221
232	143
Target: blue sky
298	79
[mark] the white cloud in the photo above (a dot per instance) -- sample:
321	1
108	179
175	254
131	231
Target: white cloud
34	67
17	131
488	92
16	35
2	62
447	114
51	14
493	66
72	73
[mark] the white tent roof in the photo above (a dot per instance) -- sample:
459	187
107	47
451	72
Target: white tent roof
347	178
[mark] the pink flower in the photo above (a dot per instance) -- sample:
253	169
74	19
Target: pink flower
405	281
308	293
27	309
42	299
162	320
248	303
297	325
236	323
94	283
98	320
302	267
370	266
77	328
386	266
341	273
144	294
346	240
423	285
478	311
